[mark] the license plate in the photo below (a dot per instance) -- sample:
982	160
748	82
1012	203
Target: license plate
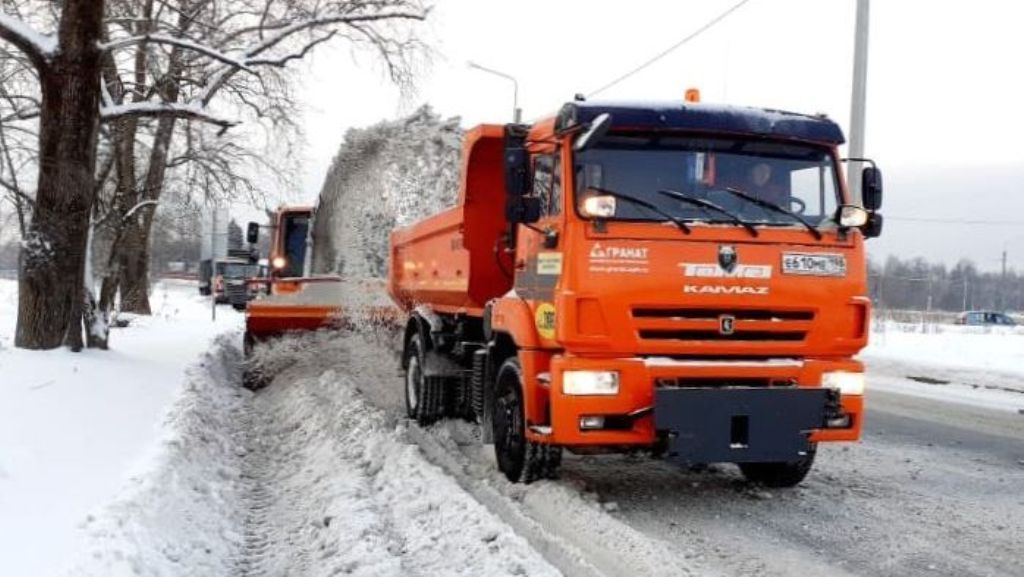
815	264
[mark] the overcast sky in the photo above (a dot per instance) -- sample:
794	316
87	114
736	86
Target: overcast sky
945	90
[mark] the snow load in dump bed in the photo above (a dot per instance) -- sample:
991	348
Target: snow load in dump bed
692	116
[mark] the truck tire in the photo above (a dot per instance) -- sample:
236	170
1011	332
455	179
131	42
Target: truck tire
519	459
415	357
780	475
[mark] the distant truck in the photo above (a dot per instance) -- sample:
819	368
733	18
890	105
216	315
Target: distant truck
230	281
681	278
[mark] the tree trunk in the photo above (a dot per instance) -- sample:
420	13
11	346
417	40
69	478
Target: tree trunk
133	267
53	258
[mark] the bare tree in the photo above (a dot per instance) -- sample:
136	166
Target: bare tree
233	53
186	57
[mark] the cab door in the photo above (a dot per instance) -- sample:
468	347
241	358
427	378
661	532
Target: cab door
539	256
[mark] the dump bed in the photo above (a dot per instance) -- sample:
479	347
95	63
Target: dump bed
453	261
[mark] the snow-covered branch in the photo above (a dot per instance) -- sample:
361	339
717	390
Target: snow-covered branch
39	48
142	204
180	42
189	111
282	34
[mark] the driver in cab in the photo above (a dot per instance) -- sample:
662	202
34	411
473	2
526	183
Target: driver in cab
761	182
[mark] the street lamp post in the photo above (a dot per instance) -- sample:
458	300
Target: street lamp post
517	113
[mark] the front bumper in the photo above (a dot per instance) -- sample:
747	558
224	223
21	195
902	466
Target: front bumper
659	397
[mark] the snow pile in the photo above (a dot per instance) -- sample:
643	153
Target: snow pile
346	494
74	427
560	518
983	349
301	478
181	517
389	174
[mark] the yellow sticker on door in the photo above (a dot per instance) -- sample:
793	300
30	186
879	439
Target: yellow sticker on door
544	317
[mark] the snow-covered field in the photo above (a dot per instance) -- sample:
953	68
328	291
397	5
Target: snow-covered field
77	428
979	366
951	347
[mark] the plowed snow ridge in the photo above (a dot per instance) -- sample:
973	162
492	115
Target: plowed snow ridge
303	478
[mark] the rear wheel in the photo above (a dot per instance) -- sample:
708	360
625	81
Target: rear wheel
519	459
778	475
414	376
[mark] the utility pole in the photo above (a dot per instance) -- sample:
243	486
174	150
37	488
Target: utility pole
1002	284
858	98
965	292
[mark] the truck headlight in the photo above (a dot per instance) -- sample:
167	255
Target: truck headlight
847	383
279	262
590	382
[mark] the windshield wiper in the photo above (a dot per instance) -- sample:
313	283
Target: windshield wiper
708	204
779	209
641	202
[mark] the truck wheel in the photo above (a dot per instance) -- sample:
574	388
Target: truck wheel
779	475
509	420
520	460
414	376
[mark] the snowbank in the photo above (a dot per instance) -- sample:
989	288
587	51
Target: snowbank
74	427
995	349
301	478
977	366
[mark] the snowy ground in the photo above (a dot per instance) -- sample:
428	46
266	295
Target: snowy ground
978	366
151	460
76	428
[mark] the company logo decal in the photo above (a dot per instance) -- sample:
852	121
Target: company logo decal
598	252
713	270
724	290
726	324
727	257
619	259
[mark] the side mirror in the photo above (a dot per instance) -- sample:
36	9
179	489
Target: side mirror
598	128
871	188
523	210
517	172
252	233
873	227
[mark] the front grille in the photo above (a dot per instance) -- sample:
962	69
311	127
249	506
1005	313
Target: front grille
705	324
705	335
720	382
236	294
714	314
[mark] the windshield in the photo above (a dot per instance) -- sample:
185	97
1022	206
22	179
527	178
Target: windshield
295	229
723	171
235	270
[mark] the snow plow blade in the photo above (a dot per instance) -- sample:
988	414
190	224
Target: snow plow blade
312	303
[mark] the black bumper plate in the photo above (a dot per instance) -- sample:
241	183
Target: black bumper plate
738	425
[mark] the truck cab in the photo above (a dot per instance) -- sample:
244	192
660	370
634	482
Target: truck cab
683	278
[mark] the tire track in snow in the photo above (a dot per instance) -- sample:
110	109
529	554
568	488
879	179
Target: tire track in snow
334	487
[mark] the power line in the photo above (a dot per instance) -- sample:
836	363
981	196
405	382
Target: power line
966	221
670	49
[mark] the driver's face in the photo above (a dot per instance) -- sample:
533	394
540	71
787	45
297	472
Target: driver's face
760	174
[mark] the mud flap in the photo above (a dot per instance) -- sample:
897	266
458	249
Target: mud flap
738	425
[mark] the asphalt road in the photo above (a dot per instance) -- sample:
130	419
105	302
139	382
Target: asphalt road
934	488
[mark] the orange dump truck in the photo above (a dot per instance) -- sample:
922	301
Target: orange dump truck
296	300
682	278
